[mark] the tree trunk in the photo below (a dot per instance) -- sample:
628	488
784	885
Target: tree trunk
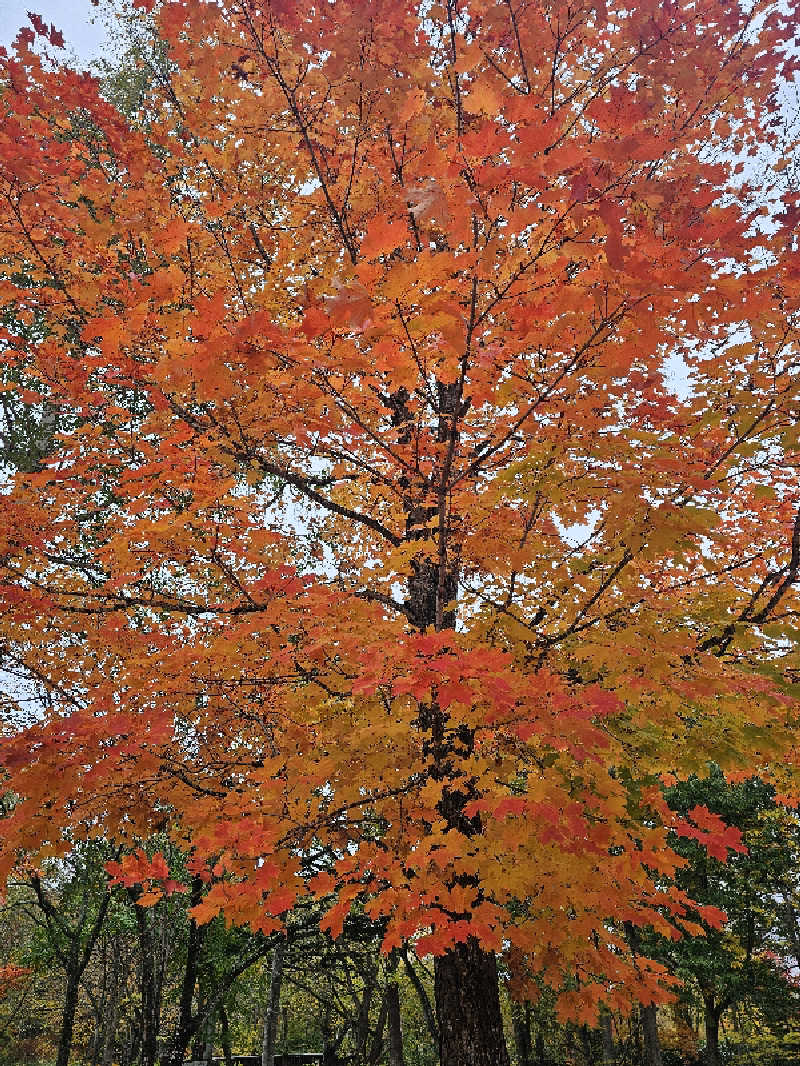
652	1045
187	1024
211	1025
712	1016
68	1017
149	989
199	1040
522	1034
790	921
130	1048
609	1053
468	1008
329	1056
273	1005
651	1048
377	1040
587	1044
369	977
422	996
100	1006
395	1030
465	978
541	1055
225	1035
112	1020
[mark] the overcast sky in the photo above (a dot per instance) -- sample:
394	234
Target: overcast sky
80	23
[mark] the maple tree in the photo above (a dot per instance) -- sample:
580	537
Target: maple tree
378	558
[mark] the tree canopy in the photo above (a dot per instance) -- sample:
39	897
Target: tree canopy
380	558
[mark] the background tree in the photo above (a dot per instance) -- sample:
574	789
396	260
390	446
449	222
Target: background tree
71	927
60	915
742	961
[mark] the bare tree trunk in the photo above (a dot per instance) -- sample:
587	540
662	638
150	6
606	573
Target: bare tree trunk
329	1056
522	1034
609	1053
225	1035
790	921
199	1038
540	1052
112	1020
652	1045
131	1050
422	996
468	1008
68	1012
369	977
148	988
273	1005
187	1024
651	1049
377	1039
711	1017
395	1029
100	1006
211	1025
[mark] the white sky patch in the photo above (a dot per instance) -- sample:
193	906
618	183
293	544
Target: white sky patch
578	533
677	376
85	34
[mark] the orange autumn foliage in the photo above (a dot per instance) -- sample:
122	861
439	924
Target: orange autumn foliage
378	529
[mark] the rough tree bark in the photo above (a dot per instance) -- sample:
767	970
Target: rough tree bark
210	1031
105	1004
369	978
651	1046
790	920
468	1008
